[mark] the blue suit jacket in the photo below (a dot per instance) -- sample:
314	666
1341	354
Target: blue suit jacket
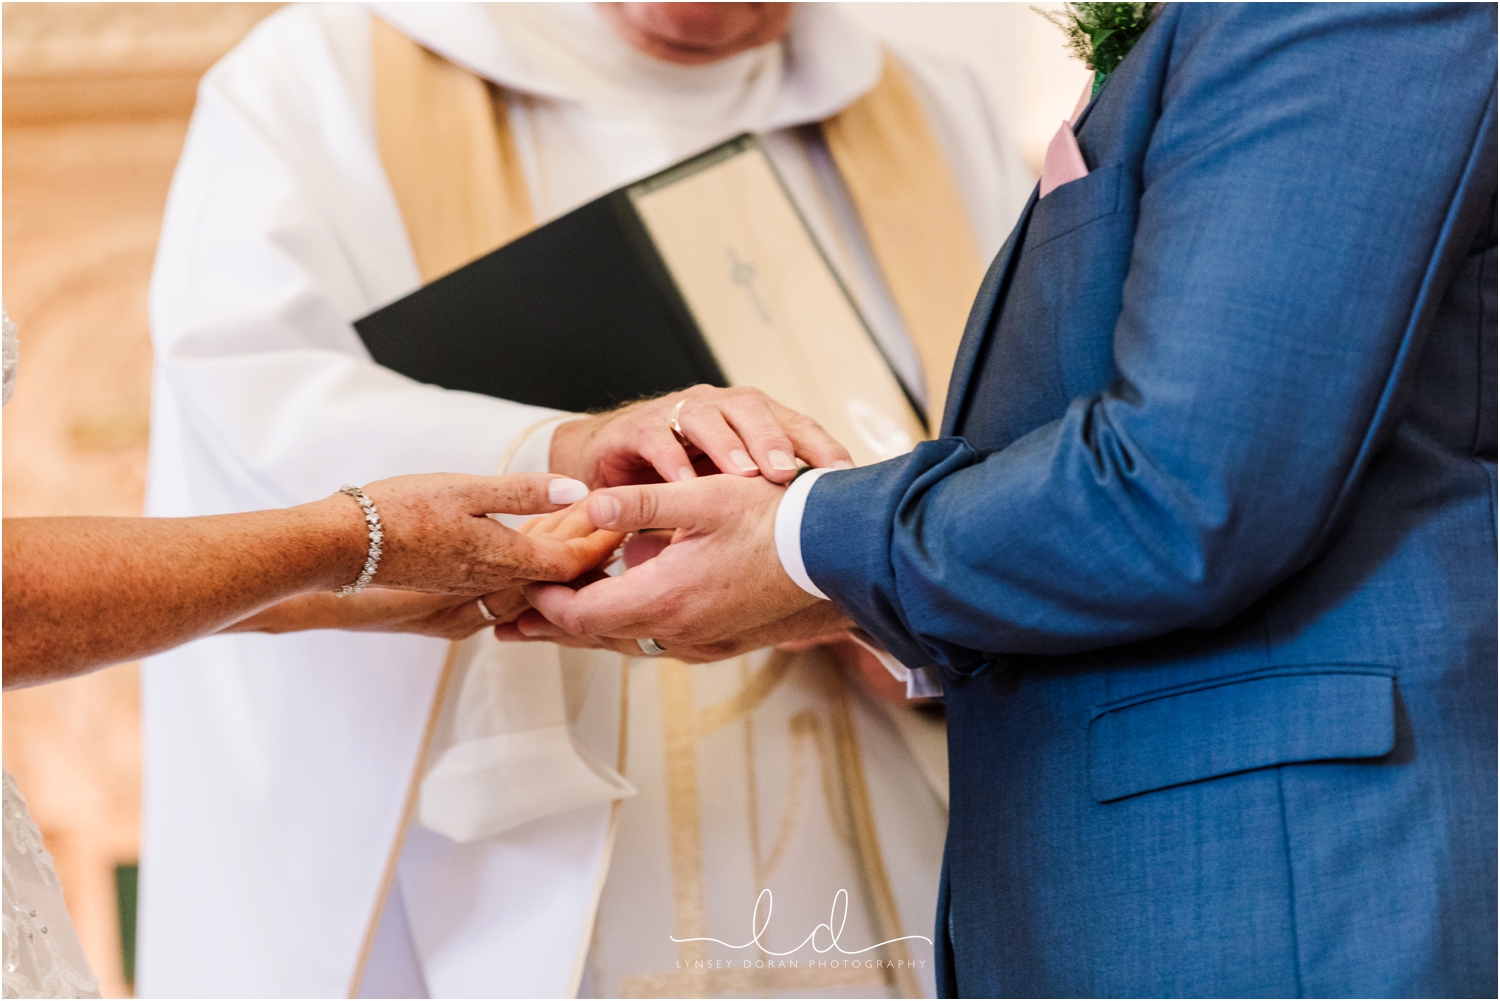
1207	550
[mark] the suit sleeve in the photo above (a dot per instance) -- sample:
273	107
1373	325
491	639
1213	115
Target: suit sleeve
1305	169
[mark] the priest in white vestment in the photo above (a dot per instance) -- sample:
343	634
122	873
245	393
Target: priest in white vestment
281	772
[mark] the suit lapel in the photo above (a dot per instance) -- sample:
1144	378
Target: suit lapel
989	298
976	331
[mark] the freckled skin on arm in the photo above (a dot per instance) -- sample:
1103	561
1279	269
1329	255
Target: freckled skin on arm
82	593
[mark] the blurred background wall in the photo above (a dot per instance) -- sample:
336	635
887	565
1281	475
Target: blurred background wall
96	99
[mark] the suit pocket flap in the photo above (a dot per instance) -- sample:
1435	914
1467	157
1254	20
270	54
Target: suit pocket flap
1238	724
1073	206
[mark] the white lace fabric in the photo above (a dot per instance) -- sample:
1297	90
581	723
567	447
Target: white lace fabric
11	354
43	957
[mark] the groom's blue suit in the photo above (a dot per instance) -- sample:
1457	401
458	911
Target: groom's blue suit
1207	550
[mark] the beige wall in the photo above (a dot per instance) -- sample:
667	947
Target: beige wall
96	99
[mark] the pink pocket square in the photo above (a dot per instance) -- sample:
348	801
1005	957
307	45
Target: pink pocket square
1063	162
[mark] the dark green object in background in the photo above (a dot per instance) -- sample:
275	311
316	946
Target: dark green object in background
127	879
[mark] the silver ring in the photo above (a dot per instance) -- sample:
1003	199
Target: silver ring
674	423
651	648
484	609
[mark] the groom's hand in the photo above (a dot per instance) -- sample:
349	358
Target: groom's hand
740	431
719	581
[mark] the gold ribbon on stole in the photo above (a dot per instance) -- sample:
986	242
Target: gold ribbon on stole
914	217
445	141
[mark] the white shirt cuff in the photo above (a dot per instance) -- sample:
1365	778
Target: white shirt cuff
789	530
918	682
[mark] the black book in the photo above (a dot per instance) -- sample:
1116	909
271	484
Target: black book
703	273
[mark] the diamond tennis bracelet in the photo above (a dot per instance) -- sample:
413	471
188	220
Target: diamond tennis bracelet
372	559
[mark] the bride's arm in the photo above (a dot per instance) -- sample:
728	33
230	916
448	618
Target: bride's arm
81	593
84	592
446	616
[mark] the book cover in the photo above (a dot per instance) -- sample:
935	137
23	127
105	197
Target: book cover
702	273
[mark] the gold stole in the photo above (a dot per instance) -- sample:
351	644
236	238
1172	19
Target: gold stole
445	141
914	218
446	144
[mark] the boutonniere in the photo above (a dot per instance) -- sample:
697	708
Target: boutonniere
1101	34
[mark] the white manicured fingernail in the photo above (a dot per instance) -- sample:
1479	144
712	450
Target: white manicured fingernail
782	460
742	462
566	491
608	509
843	464
686	473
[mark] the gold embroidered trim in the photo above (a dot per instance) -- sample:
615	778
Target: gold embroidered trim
680	751
887	917
760	686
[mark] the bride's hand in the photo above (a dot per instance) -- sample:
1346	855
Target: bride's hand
738	430
447	616
438	536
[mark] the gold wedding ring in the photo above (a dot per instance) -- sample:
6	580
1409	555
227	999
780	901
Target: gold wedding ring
674	423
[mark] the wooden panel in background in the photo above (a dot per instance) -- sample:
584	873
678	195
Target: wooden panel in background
96	104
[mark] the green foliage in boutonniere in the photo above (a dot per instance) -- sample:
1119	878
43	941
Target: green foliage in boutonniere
1101	34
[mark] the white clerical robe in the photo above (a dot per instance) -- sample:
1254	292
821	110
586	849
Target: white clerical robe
277	767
